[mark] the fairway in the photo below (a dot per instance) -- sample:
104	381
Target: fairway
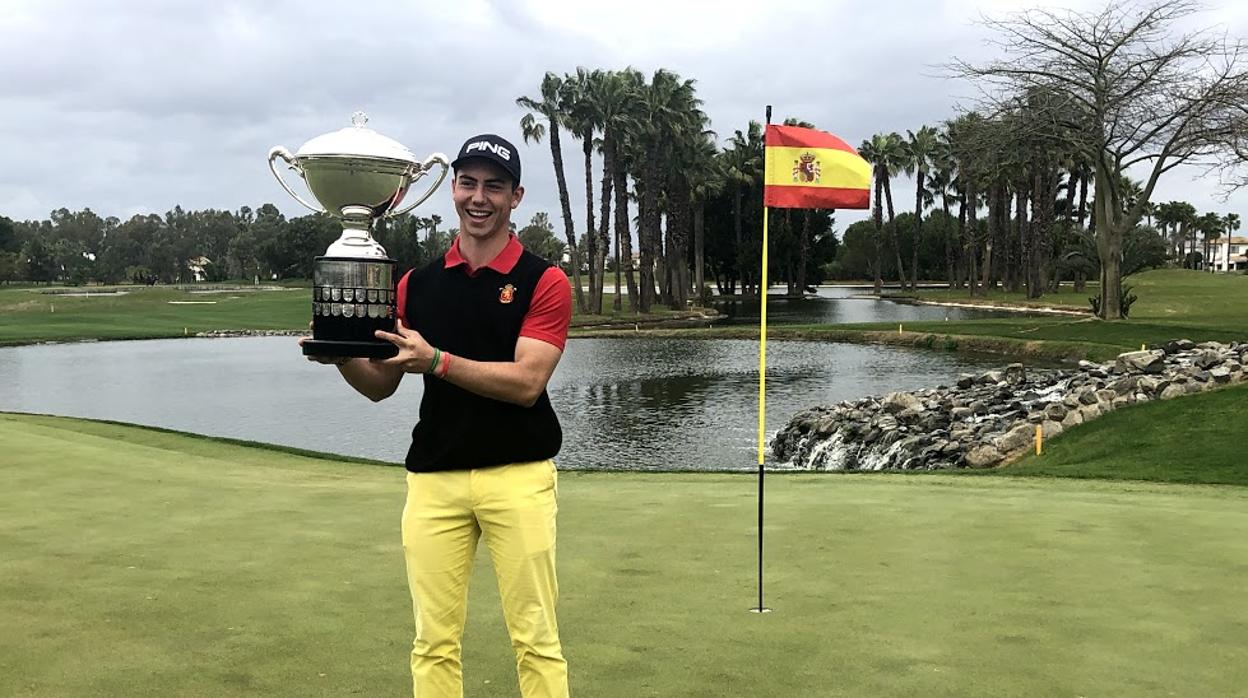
1173	304
136	562
45	314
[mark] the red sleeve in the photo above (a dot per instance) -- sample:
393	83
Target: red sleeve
550	312
401	298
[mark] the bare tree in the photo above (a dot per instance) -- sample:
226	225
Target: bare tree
1133	89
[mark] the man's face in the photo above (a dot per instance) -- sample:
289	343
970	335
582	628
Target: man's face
484	198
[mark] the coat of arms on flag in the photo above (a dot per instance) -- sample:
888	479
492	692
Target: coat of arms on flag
806	168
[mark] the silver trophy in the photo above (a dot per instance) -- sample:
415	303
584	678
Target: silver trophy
358	176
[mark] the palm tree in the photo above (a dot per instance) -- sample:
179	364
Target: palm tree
551	107
583	120
964	135
743	167
1168	220
1185	219
887	155
691	142
615	93
1130	191
1231	223
869	153
1210	227
940	182
1211	242
625	150
434	221
922	151
700	169
663	109
605	98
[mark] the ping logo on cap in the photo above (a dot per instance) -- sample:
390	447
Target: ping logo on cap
495	148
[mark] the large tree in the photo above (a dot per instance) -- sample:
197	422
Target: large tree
707	180
742	165
583	116
1134	90
624	133
612	95
539	238
692	154
664	109
923	150
887	154
1230	223
550	106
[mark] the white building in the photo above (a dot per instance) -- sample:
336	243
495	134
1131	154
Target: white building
1236	248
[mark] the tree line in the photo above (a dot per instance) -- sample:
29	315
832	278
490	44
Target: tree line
1078	102
1029	189
78	247
1037	231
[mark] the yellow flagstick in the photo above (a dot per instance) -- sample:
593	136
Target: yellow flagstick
762	391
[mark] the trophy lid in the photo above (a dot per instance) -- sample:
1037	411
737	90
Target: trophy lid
356	140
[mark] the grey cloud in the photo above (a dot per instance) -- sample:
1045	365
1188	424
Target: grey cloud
146	104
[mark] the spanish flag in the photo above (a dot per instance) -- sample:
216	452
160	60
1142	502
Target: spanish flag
806	168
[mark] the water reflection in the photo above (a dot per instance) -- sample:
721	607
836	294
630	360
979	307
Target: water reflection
842	305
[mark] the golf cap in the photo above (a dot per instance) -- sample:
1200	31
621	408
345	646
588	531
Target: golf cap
493	148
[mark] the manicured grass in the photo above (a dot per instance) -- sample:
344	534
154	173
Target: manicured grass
31	314
1197	439
1172	303
137	562
1066	298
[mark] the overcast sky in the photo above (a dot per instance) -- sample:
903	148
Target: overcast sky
135	106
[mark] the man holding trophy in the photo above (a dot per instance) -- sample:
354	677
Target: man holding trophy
485	326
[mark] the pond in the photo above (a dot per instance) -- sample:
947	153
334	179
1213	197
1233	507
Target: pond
644	403
832	305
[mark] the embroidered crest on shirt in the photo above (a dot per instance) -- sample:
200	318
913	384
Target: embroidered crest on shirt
506	294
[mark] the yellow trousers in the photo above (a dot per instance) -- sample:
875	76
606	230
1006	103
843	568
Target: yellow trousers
446	513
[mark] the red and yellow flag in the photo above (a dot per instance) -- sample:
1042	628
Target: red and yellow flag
806	168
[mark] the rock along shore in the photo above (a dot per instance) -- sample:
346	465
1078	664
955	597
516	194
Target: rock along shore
990	418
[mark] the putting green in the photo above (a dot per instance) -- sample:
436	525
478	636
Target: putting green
135	562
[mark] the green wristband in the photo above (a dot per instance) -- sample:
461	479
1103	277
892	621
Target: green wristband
437	355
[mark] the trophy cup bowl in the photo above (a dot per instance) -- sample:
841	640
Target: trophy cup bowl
357	176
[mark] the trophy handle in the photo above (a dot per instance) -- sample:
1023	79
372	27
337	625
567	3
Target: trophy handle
283	154
420	171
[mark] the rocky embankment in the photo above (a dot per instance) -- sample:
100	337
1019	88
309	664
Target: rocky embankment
992	417
226	334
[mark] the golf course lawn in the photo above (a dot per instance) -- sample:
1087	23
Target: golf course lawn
136	562
1173	304
44	314
1193	439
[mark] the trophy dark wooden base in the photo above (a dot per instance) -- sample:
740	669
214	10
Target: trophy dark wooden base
352	298
363	350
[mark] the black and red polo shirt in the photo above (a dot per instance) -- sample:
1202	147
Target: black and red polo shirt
480	314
